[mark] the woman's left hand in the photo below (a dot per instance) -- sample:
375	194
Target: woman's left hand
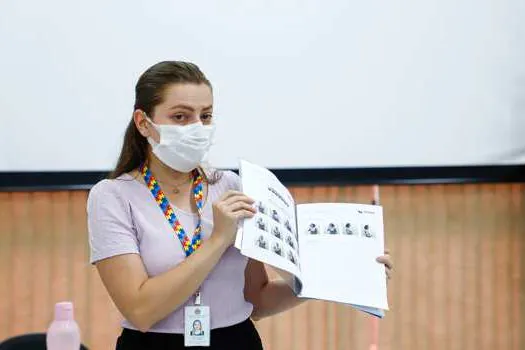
387	261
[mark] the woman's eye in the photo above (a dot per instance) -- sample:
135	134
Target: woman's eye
179	117
206	117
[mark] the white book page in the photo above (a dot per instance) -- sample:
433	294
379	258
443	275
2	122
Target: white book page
271	235
339	246
238	238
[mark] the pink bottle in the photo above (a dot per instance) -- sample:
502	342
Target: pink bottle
63	333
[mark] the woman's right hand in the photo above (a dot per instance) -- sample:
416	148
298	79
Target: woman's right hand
231	207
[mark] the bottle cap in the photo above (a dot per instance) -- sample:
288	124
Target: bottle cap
64	311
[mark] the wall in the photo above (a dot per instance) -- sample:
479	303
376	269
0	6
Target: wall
386	81
459	279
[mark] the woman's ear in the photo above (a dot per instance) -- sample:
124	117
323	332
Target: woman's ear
139	118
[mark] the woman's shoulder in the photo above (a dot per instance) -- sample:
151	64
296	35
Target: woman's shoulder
224	179
112	187
232	180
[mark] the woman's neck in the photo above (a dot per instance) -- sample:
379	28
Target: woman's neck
176	185
165	174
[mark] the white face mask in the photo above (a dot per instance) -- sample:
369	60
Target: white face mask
182	147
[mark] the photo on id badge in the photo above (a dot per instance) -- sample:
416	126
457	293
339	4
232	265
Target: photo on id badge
196	328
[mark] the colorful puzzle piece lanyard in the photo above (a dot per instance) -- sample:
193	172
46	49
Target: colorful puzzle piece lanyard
189	246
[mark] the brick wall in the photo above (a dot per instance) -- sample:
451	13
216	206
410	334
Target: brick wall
459	280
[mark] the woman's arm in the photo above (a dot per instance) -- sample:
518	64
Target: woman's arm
268	297
144	301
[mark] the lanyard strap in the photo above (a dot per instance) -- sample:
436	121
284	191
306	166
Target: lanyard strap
188	246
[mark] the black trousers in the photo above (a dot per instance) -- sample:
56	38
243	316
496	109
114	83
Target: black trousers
242	336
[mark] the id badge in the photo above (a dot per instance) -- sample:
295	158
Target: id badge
197	325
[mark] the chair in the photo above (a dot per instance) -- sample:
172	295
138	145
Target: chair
32	341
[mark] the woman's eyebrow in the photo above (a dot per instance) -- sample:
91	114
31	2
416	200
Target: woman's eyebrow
189	107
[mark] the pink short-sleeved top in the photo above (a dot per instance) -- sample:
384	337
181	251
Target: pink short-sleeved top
124	218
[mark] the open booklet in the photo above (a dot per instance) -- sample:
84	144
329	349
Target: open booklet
326	251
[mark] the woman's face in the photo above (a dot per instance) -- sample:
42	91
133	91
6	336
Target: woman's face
197	326
183	104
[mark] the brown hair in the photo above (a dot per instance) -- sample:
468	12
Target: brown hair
149	92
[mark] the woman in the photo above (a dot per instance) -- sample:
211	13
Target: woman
161	228
197	328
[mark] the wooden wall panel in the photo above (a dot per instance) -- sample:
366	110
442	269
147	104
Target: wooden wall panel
459	280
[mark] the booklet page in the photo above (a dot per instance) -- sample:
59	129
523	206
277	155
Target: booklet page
339	246
271	235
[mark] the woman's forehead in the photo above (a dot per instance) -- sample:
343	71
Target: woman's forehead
188	96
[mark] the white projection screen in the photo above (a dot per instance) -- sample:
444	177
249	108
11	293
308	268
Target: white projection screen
298	84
